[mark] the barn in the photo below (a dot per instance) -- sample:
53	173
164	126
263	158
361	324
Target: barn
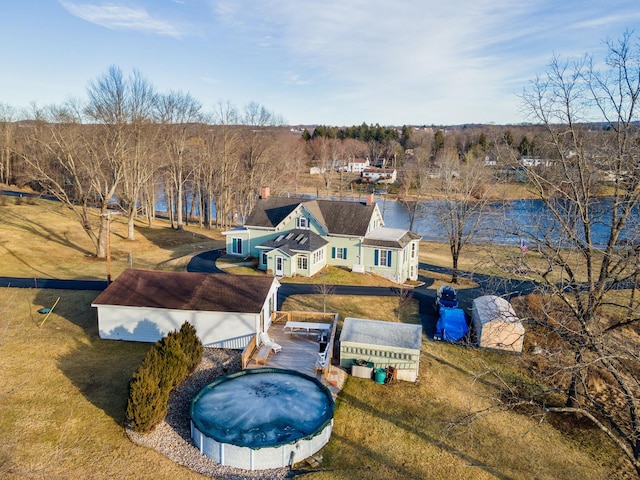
227	311
385	344
496	324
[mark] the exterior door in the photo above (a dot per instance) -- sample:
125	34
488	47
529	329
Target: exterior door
279	266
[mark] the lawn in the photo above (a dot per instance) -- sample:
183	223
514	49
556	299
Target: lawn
63	390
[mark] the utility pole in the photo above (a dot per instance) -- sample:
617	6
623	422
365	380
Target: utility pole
108	215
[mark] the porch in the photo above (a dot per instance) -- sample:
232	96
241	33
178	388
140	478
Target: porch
300	347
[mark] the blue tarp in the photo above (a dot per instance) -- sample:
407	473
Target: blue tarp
452	325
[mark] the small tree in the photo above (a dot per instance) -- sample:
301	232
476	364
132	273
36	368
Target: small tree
148	400
463	188
191	346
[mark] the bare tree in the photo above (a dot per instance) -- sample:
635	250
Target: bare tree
178	114
8	117
138	102
586	250
462	188
81	165
223	145
415	183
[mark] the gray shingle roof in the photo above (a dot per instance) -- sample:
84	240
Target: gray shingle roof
389	237
216	292
297	240
338	217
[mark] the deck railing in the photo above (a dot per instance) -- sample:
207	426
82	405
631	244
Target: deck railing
315	317
248	351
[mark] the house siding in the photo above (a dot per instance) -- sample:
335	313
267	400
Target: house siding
232	330
142	324
354	253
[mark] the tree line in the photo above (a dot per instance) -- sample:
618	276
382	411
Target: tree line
127	144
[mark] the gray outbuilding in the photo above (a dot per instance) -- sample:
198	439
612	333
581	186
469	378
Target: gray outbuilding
385	344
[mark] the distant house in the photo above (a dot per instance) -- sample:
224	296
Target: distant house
293	236
532	161
227	311
379	175
357	165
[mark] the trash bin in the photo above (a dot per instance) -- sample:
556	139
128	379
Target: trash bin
361	369
380	375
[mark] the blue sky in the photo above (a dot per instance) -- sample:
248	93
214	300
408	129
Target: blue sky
334	62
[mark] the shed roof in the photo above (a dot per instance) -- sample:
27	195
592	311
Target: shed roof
489	308
216	292
384	334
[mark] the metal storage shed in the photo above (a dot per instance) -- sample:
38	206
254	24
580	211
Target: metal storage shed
382	343
496	324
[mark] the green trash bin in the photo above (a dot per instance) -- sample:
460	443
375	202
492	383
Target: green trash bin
380	375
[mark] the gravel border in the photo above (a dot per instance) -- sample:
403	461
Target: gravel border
172	438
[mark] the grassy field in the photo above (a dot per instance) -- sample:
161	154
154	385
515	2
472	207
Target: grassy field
63	390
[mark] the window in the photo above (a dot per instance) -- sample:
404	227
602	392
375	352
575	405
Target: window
318	256
236	246
340	253
302	263
264	259
303	222
382	258
413	249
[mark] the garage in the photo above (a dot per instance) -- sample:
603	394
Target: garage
227	311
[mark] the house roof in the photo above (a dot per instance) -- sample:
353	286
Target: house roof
216	292
338	217
299	240
377	332
389	237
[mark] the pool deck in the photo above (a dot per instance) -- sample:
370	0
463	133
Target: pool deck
299	352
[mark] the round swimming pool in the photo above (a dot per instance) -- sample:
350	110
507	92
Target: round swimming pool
262	418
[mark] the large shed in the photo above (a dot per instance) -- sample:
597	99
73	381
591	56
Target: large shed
227	311
496	324
382	343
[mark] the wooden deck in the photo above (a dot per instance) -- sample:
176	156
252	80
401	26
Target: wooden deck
299	352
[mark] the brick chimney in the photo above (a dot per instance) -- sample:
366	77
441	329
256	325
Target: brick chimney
369	199
264	193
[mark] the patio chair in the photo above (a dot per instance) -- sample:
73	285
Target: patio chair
321	361
266	340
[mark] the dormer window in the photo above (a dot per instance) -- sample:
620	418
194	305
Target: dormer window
302	222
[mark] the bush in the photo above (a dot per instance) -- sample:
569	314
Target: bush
166	364
148	401
191	346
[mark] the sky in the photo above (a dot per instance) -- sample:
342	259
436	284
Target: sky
331	62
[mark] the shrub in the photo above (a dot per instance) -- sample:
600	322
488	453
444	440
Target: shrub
174	361
148	401
166	364
191	346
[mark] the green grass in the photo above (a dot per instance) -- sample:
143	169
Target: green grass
63	390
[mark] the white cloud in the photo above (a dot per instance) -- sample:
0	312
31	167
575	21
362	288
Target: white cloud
122	17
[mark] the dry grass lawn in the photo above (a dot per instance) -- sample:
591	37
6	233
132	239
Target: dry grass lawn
407	430
63	390
41	238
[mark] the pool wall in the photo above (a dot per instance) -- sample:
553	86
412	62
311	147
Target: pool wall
266	457
260	458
